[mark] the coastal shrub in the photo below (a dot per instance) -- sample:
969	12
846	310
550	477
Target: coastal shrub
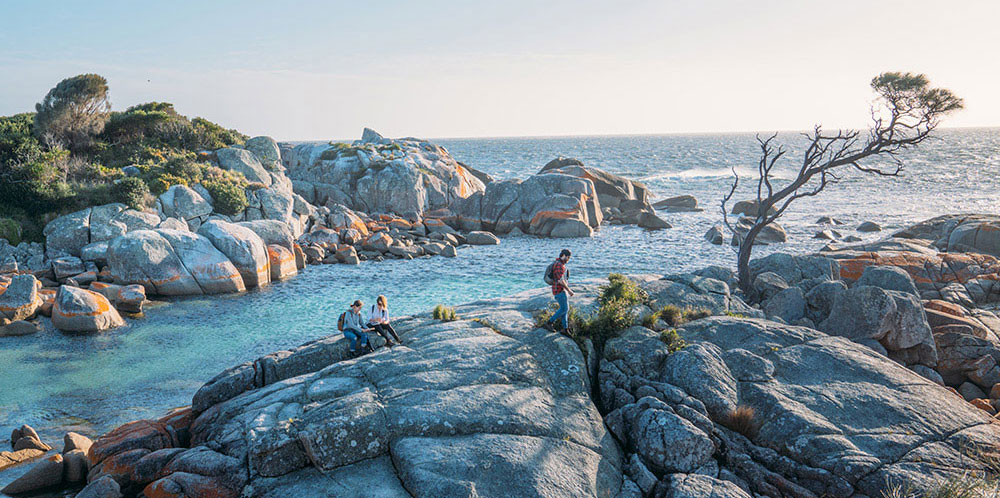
743	419
622	288
131	191
673	340
73	112
611	318
227	197
444	313
10	230
675	316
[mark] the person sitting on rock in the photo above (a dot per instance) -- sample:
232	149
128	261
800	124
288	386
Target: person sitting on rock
378	319
350	323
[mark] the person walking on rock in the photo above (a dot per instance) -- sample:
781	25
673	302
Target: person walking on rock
350	324
558	275
378	319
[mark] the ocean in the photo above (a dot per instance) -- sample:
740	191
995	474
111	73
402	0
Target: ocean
59	382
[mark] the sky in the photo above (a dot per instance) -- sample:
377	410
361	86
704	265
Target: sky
324	70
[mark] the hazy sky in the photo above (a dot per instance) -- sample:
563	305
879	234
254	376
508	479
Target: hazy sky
312	70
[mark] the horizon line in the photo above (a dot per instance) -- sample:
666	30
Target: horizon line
594	135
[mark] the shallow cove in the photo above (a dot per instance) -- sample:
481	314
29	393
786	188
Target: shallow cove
57	382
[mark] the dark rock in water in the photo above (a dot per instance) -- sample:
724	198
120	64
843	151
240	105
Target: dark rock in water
869	226
827	235
772	233
678	204
714	235
750	208
650	221
482	239
828	220
851	238
44	474
19	328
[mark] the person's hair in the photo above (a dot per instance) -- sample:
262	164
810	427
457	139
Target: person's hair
381	299
565	252
358	303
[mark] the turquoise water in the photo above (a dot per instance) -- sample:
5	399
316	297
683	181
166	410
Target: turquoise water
91	383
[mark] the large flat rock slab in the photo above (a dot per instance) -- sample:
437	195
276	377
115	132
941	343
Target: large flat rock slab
460	407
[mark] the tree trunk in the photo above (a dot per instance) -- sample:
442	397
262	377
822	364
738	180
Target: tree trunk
743	261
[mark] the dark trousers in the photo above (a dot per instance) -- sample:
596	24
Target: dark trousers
385	330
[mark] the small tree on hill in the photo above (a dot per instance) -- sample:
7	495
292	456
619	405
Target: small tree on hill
73	112
906	111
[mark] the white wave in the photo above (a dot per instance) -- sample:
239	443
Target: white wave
699	173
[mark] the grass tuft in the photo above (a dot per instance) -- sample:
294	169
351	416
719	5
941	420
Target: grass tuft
743	420
444	313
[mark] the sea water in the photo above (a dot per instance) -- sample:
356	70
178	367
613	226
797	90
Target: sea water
55	381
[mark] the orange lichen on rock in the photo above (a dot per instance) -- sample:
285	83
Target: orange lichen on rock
945	307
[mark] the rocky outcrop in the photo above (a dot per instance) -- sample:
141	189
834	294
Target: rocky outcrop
486	388
976	233
781	411
678	204
245	162
380	175
19	297
172	263
243	247
622	201
81	310
69	467
549	205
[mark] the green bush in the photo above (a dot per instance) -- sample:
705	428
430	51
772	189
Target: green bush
444	313
10	230
673	340
132	192
622	288
675	316
227	197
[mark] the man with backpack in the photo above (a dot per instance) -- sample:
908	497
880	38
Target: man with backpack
557	276
350	323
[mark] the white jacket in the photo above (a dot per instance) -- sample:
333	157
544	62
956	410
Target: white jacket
376	314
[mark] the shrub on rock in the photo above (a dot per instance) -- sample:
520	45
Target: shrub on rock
131	191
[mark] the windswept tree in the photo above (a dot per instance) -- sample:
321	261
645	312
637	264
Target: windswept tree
73	112
905	113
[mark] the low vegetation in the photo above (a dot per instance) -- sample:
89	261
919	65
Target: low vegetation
744	421
616	311
444	313
675	316
673	340
72	153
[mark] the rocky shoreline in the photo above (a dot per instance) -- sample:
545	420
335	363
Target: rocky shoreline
849	373
328	203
